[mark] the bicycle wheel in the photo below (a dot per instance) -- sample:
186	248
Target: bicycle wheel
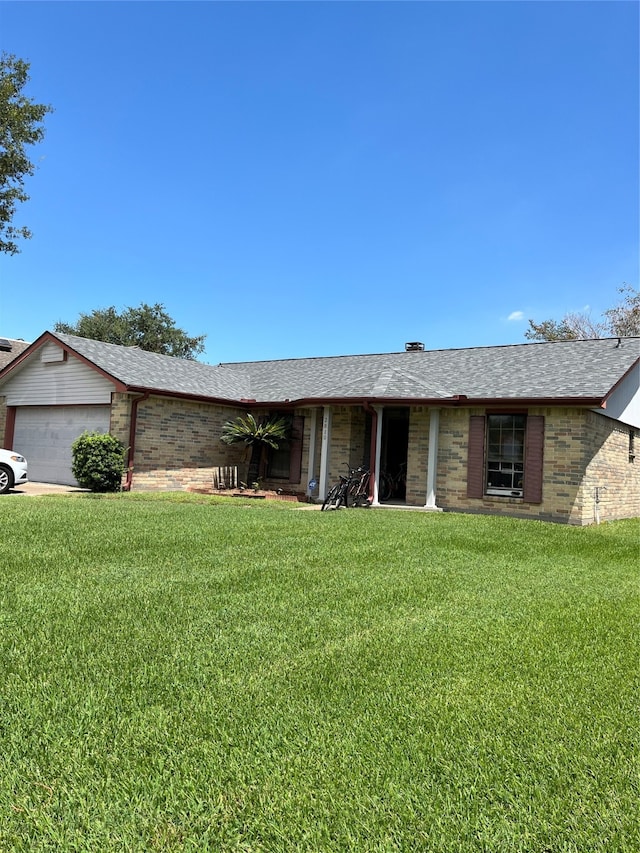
342	498
331	498
385	488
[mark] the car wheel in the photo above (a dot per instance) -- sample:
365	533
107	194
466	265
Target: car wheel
6	479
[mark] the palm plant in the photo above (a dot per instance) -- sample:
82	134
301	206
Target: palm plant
258	436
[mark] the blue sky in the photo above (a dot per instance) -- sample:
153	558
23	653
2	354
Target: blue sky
320	178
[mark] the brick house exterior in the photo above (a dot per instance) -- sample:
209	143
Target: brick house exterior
568	414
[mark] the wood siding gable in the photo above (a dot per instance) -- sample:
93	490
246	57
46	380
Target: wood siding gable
59	383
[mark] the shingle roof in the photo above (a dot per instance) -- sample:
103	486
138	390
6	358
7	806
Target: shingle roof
137	368
551	371
7	356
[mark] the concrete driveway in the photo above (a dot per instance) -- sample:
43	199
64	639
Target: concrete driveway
44	489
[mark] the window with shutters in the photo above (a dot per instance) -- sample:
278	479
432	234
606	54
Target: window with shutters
506	456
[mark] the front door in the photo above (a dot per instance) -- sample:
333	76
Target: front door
395	446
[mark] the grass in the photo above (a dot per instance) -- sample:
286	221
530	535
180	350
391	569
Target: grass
182	674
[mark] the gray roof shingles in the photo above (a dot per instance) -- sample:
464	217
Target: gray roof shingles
563	369
17	346
140	369
558	370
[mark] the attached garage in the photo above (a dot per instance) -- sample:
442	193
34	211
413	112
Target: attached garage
51	399
44	434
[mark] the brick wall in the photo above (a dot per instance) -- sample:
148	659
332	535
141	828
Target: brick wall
610	470
120	416
417	455
178	443
347	440
582	449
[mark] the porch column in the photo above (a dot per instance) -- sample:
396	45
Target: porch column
324	452
376	480
311	469
432	460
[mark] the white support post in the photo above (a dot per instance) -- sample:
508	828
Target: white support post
432	461
324	452
311	470
376	480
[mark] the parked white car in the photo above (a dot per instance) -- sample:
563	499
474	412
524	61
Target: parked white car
13	470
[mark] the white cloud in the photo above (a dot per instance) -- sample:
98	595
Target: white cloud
516	315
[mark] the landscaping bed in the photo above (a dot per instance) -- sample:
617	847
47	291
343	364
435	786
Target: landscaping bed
259	494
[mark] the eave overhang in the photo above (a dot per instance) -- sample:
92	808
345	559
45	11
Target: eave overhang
457	401
453	401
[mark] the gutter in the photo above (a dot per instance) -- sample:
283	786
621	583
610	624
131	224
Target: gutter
455	401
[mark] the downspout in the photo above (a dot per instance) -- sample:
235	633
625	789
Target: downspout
132	438
9	427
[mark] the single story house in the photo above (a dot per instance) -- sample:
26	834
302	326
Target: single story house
538	430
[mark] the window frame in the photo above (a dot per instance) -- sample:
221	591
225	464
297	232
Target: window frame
502	462
533	466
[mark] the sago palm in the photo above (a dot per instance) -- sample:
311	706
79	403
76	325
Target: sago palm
259	436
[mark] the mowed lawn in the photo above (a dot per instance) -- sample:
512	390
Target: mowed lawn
184	674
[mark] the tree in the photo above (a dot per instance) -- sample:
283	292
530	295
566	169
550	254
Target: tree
623	320
148	327
20	125
258	436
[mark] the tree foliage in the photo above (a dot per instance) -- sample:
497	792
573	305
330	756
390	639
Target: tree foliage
250	431
148	327
623	320
20	125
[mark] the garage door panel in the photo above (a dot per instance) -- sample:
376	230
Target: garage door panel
44	434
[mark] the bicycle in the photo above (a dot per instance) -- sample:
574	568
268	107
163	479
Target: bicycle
354	486
359	489
337	494
391	485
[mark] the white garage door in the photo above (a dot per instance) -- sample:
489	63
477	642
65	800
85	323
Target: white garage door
44	435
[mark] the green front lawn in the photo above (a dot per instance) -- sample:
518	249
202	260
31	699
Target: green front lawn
185	674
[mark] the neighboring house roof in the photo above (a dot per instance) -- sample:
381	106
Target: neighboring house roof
9	349
581	371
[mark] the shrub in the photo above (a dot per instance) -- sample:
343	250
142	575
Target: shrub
98	461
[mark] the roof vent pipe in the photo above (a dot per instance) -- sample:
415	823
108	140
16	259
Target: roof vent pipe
414	346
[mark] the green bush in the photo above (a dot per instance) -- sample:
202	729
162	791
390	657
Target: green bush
98	461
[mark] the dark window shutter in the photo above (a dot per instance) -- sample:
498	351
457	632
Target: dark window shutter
475	459
534	444
295	444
